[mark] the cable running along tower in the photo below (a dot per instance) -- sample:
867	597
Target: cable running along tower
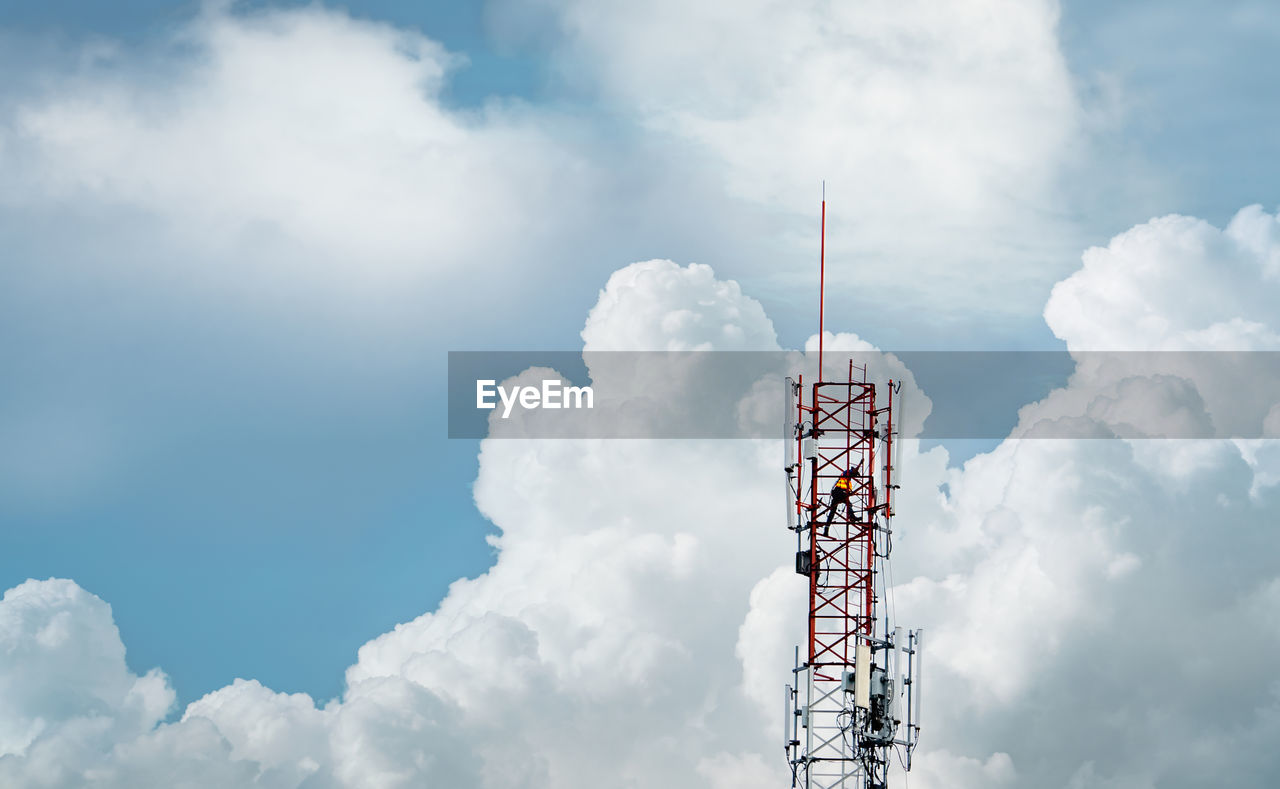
854	701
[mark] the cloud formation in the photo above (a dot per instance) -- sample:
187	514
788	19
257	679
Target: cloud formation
64	688
1189	309
637	623
1175	283
301	128
315	155
937	129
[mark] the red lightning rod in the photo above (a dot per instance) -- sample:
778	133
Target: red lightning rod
822	276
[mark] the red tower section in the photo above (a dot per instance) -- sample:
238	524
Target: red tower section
841	428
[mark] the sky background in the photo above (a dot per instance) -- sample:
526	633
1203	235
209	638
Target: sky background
229	278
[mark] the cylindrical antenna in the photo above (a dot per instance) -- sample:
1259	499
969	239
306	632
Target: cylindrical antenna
786	717
916	682
899	645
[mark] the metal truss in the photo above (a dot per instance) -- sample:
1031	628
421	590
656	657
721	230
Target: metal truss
847	703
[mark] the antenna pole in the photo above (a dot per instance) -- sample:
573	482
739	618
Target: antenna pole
822	276
848	718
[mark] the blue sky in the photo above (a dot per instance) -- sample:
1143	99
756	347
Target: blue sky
287	492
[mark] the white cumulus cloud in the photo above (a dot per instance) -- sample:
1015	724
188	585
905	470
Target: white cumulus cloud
938	128
633	630
301	148
637	625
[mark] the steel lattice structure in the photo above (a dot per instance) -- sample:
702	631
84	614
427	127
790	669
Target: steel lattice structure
842	419
851	703
856	697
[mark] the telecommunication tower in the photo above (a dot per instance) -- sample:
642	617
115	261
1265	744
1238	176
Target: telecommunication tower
854	700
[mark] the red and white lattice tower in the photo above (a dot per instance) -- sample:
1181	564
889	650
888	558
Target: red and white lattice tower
855	697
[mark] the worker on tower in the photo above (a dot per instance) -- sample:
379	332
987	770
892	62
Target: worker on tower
841	493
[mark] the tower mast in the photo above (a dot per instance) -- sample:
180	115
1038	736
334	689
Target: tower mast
850	703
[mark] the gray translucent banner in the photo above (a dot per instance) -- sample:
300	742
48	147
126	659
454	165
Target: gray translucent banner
941	394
